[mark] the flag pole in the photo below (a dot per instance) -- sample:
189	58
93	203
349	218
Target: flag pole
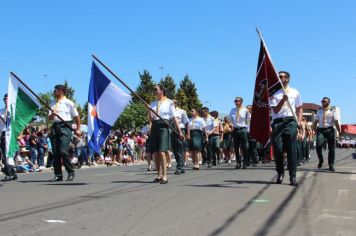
284	89
2	119
134	93
41	100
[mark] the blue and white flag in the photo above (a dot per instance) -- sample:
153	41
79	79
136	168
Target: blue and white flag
106	102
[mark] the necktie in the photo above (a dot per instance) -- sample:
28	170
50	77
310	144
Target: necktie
57	104
324	116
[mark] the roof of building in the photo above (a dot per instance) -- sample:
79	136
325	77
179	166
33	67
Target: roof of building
311	106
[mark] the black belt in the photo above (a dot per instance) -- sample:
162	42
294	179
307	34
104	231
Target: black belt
280	120
240	128
55	124
324	129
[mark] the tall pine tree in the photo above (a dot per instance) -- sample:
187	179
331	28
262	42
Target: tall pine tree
146	88
187	87
169	85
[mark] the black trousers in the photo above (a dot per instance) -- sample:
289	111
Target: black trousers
213	149
327	134
178	147
61	137
252	146
240	139
8	170
284	139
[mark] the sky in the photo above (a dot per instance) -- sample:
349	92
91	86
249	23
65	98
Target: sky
215	42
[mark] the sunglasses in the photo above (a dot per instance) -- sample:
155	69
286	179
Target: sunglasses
283	76
237	100
324	101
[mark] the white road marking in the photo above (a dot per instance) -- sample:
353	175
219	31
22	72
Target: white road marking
353	176
55	221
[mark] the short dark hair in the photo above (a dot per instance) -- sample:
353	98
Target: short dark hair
285	72
61	87
162	88
239	98
205	109
5	96
214	114
327	99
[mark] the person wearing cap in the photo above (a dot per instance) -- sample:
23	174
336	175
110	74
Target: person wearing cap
178	144
284	127
327	118
61	134
240	117
160	138
7	169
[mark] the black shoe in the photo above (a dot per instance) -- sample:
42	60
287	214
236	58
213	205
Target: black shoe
157	180
164	181
320	164
332	168
9	178
71	176
279	178
244	166
238	166
254	165
57	179
293	182
178	172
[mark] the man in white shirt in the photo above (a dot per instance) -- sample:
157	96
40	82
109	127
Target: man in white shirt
284	127
240	117
327	117
210	128
178	144
61	134
7	169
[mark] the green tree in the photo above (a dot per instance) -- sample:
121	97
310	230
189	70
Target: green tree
170	86
133	117
182	100
83	113
70	91
145	89
188	88
43	112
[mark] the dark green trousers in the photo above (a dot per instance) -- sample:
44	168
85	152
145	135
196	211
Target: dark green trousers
213	149
252	146
284	139
60	137
240	139
178	146
327	134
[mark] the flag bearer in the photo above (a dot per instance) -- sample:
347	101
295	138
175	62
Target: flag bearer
284	127
7	169
326	117
61	134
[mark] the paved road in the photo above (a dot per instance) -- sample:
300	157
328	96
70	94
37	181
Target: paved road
219	201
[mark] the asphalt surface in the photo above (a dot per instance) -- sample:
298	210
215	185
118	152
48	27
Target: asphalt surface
218	201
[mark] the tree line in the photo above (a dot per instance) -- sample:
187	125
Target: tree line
135	115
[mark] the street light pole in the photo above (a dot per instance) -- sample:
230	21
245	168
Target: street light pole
161	67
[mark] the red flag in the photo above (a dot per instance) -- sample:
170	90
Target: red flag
267	83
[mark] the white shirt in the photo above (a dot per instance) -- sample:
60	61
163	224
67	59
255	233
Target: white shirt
166	109
330	117
210	124
197	123
65	109
2	124
182	118
240	118
294	99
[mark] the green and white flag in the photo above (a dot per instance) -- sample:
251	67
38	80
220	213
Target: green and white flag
22	107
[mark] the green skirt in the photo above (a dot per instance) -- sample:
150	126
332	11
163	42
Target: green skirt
227	143
196	140
160	138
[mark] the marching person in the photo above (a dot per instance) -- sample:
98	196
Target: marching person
210	129
195	135
227	139
178	144
240	116
284	127
148	154
61	134
326	117
160	140
252	143
7	169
